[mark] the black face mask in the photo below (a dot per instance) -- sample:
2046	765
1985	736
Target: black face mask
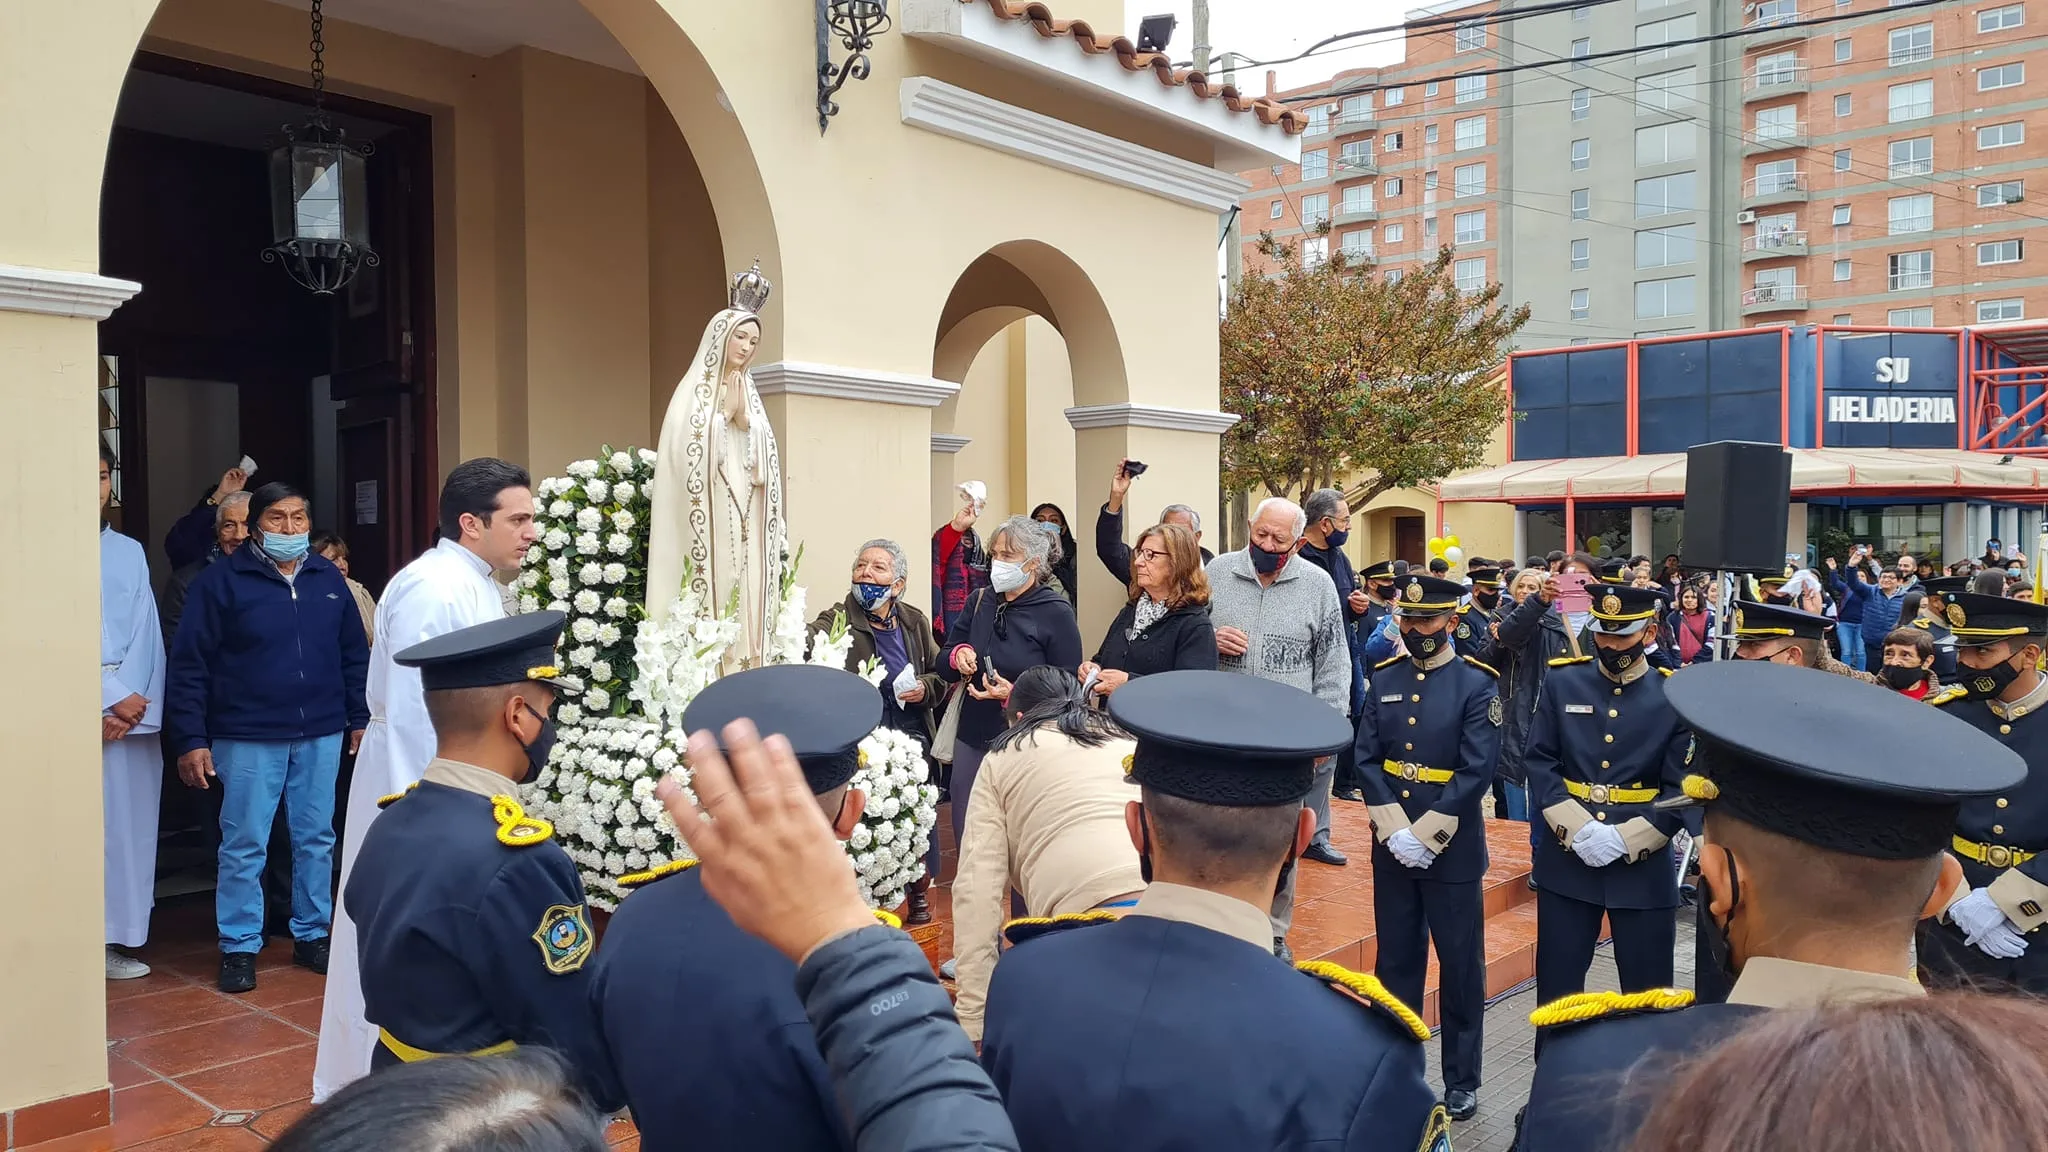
1988	683
1619	661
537	752
1902	676
1383	591
1423	645
1719	950
1484	598
1266	562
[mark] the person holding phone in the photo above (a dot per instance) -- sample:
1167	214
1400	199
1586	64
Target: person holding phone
1109	523
1530	639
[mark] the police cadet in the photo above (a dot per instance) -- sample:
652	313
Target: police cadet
1827	805
1475	623
685	998
1174	1026
1933	620
1603	749
1431	724
1993	933
1782	635
471	924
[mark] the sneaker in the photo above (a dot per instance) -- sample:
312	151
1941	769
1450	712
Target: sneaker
950	970
238	972
120	967
312	953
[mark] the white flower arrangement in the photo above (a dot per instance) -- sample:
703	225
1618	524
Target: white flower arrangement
625	732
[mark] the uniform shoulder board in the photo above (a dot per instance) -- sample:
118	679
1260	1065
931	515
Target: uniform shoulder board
1032	927
1561	661
515	828
1585	1006
1949	695
1483	667
642	879
1920	622
1391	660
1369	991
1664	671
395	797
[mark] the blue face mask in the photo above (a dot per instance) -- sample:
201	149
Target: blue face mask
873	596
1337	539
285	549
1049	527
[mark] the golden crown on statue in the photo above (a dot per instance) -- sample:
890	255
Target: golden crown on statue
750	290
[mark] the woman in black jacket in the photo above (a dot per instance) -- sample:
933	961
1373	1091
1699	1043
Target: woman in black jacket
1165	625
1054	523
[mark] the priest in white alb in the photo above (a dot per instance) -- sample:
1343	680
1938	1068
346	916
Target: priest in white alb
131	757
486	522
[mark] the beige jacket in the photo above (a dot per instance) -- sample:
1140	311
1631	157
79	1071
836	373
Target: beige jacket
367	606
1046	818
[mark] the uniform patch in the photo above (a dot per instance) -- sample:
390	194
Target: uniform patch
1957	617
1692	745
1493	711
1578	709
1464	631
1610	604
1436	1135
1414	592
564	938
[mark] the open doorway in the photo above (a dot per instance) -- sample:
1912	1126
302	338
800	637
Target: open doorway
223	356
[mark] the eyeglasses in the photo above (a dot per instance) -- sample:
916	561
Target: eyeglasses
1148	555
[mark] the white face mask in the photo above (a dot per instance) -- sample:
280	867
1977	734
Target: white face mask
1007	576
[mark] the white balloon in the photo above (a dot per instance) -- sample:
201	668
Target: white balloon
1454	556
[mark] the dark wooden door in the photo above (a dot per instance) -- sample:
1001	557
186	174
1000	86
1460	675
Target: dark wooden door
1410	540
374	499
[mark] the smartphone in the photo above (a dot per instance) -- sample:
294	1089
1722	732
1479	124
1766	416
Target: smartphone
1134	468
1574	597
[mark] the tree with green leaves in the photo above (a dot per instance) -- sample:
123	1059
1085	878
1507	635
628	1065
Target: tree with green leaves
1336	368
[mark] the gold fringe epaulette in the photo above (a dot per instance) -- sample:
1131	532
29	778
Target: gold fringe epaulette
643	879
515	828
1949	695
1369	991
1586	1006
1489	669
1665	671
1032	927
1561	661
395	797
1391	660
889	918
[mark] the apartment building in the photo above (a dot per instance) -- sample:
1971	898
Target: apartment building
1871	170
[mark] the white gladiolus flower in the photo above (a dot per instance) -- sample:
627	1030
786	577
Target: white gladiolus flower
621	462
587	601
597	490
613	574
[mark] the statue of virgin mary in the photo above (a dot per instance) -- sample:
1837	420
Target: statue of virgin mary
717	498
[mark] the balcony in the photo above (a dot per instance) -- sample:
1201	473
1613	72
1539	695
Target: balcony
1358	253
1775	298
1316	127
1766	24
1781	79
1351	212
1773	246
1781	137
1776	188
1353	167
1355	120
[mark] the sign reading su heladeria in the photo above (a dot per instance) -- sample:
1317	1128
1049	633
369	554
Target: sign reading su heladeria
1891	409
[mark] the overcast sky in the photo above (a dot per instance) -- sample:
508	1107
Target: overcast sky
1265	29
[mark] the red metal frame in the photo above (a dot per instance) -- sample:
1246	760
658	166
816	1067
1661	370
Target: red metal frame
1985	423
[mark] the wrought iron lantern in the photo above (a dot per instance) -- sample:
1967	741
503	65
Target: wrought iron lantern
855	23
319	196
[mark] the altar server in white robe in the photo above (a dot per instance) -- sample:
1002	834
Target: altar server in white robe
486	522
131	757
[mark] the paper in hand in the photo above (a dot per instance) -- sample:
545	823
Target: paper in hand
905	681
247	466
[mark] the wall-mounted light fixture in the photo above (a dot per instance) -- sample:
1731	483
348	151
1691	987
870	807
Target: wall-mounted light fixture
855	24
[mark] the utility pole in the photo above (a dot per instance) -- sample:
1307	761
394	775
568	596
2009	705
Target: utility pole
1202	36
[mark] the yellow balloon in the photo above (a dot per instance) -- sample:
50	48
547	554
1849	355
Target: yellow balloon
1452	542
1593	544
1437	544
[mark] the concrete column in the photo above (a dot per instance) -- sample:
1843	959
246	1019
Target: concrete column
1795	529
1521	536
1639	525
1956	541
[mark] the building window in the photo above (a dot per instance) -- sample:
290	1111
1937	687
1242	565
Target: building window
1842	105
1914	45
1842	160
1466	89
1469	275
1429	90
1904	214
1660	195
1580	50
1778	176
1913	101
1315	251
1315	165
1582	100
1471	35
1993	311
1468	133
1663	247
1468	180
1673	91
2001	135
1391	142
1429	180
1318	120
2001	76
1392	188
1779	68
1841	217
1998	252
1468	228
1395	96
1913	157
1357	245
2001	18
1358	109
2003	192
1279	210
1922	317
1666	143
1357	198
1428	229
1659	298
1582	155
1582	303
1842	50
1396	233
1315	210
1909	271
1842	318
1355	156
1582	203
1582	255
1664	32
1842	269
1429	135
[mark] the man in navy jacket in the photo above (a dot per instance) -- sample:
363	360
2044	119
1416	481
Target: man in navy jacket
266	675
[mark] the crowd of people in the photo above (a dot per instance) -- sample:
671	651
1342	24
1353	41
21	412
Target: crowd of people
1139	810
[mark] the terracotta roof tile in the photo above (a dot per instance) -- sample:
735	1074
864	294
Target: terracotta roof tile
1158	63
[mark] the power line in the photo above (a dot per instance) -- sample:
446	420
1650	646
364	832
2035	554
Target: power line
1487	20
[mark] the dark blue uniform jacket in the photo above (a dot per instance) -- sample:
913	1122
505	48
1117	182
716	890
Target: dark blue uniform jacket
1445	719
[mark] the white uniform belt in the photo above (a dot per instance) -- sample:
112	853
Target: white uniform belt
110	667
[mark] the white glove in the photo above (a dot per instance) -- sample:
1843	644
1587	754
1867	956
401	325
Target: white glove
1409	850
1599	845
1985	926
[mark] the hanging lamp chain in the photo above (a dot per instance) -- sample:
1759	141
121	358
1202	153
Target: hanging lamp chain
319	47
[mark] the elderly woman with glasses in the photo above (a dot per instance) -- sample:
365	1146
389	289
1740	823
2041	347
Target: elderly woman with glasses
1164	625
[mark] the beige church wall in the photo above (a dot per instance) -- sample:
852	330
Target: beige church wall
1482	529
1042	449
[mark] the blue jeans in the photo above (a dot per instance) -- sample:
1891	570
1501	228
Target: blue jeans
254	775
1852	644
1517	797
